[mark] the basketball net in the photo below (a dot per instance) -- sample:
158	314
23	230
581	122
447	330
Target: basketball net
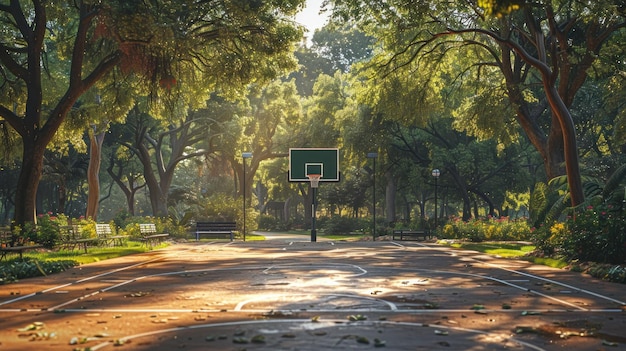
314	179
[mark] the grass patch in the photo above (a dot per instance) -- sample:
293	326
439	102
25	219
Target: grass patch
546	261
349	237
253	237
510	250
94	254
49	262
505	249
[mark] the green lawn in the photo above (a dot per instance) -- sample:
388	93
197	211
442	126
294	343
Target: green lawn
509	250
94	254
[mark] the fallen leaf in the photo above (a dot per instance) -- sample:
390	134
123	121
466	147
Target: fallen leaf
609	343
240	340
258	339
358	317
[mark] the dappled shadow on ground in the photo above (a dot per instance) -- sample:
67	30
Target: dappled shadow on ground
187	289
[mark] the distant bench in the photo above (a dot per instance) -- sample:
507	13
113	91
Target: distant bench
104	234
410	234
149	234
71	238
216	230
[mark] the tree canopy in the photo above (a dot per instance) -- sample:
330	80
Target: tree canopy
52	53
543	51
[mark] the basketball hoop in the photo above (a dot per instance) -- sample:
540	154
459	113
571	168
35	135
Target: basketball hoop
314	179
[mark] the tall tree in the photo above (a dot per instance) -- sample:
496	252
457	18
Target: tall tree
232	42
161	146
265	130
550	43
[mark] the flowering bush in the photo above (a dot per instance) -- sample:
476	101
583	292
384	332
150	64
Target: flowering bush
45	232
597	234
488	229
549	238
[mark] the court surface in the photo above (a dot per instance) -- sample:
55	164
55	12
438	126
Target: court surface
287	293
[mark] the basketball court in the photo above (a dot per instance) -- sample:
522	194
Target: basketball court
288	293
293	292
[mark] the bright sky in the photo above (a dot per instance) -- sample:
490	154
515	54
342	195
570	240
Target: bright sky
310	16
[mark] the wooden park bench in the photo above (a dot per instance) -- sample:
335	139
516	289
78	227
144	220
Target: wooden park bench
4	250
104	233
149	234
71	237
216	230
411	234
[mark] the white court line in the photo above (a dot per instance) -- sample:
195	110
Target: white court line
299	265
391	305
565	285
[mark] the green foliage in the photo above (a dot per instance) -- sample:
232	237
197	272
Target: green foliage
45	233
342	225
130	226
500	8
274	224
268	223
180	217
594	233
15	270
616	274
597	235
221	207
497	248
488	229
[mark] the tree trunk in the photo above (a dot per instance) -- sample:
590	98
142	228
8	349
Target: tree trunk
93	174
28	182
572	166
62	193
390	198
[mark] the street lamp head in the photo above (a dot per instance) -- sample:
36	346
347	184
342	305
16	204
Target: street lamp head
436	173
246	154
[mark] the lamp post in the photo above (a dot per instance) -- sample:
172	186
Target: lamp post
373	156
244	156
436	173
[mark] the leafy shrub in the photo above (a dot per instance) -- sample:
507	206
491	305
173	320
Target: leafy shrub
488	229
45	232
221	207
617	274
15	270
341	225
130	226
267	223
548	239
596	234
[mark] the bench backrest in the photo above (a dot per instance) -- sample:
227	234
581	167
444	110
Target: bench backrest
103	230
147	228
216	226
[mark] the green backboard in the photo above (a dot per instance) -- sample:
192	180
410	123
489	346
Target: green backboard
305	161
